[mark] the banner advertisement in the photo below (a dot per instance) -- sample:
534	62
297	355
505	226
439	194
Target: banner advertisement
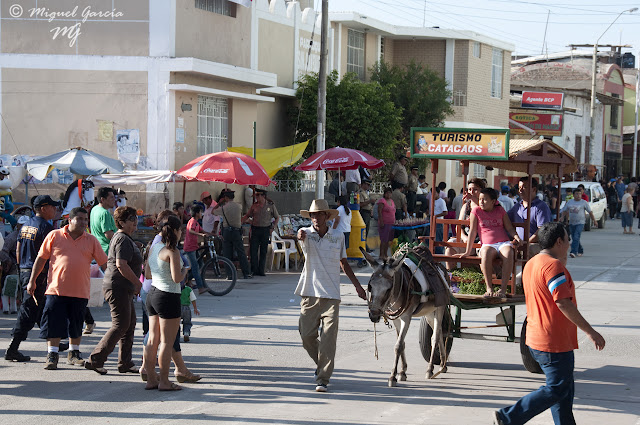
613	143
466	143
542	122
542	100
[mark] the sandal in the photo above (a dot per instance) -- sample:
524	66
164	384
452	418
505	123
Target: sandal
173	387
190	378
153	387
488	294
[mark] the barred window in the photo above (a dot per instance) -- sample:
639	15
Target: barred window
213	124
222	7
355	53
479	171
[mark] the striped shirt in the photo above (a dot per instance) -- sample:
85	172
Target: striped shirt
320	276
546	280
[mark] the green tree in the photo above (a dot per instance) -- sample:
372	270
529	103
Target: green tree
359	115
419	91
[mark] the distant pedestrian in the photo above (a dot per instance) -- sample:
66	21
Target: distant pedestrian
366	206
353	181
232	231
121	284
626	211
264	219
69	252
506	202
386	219
620	190
342	222
191	246
412	190
575	209
209	219
319	287
553	319
32	234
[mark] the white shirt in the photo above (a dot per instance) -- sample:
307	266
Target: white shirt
345	220
208	219
320	275
352	176
439	206
506	202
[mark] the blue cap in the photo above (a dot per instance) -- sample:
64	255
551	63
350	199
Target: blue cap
506	188
612	180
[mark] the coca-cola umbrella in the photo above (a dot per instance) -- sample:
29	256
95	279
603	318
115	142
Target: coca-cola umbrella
339	159
226	167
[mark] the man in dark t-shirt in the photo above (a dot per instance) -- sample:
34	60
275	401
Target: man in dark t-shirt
31	236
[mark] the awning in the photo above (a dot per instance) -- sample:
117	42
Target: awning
275	159
137	177
605	99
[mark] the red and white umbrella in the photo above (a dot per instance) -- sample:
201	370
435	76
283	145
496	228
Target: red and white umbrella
226	167
339	159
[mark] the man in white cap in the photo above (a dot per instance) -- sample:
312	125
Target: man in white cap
208	218
319	286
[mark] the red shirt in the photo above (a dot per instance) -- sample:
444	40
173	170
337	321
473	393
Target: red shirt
191	240
545	281
490	225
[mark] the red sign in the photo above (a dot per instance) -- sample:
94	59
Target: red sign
543	123
540	100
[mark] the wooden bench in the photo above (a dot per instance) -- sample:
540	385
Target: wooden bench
461	245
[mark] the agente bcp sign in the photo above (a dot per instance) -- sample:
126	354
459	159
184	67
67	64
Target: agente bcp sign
542	100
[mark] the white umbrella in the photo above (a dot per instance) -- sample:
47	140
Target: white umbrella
77	160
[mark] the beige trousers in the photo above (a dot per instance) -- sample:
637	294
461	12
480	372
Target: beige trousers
313	313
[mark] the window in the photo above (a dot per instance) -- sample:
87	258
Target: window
459	98
355	53
578	151
213	124
476	49
381	49
479	171
496	73
613	117
222	7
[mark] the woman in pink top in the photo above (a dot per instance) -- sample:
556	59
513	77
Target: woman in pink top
386	219
490	220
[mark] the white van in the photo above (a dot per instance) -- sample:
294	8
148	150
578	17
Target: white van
597	201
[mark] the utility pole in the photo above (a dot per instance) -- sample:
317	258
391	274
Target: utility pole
634	164
322	95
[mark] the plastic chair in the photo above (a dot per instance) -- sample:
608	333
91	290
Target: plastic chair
285	247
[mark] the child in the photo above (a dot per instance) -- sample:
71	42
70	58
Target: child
343	221
187	296
575	209
568	194
490	220
191	245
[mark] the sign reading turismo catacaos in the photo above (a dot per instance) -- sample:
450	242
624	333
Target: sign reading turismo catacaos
465	143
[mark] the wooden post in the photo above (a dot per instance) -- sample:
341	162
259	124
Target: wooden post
432	226
560	170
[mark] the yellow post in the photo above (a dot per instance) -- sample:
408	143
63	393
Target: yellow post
358	236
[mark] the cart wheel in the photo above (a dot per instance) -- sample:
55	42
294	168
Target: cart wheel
425	334
527	359
362	263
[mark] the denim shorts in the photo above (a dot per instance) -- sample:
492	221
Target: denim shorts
62	317
627	219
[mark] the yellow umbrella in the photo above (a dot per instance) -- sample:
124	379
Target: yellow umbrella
275	159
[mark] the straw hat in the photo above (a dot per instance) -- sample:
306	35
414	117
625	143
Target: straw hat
320	205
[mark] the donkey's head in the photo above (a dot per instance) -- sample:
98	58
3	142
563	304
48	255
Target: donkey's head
380	284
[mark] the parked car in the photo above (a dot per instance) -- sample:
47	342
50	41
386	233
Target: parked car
597	201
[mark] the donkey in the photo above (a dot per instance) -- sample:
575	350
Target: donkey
394	293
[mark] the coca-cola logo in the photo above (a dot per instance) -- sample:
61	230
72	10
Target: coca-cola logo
216	171
335	161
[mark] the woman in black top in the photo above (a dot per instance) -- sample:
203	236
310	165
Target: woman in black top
121	283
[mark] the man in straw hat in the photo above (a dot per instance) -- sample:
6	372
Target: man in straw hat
319	287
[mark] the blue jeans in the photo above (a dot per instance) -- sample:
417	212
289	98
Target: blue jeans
556	395
575	230
195	268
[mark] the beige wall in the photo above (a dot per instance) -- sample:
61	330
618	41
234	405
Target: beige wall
388	50
114	37
370	53
426	52
230	43
49	110
276	53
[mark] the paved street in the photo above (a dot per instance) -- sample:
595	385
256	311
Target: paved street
247	347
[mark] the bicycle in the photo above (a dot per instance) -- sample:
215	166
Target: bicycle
218	273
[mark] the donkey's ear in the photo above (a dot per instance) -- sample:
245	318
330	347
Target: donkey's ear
372	261
397	261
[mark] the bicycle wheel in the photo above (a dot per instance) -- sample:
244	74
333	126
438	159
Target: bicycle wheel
219	277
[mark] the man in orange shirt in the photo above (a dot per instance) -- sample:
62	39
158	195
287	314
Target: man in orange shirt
70	251
552	322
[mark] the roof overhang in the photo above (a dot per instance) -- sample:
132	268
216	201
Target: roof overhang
364	23
223	71
216	92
